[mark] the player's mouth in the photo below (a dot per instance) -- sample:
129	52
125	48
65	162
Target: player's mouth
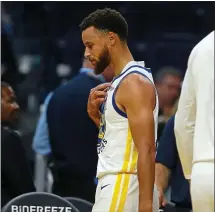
93	62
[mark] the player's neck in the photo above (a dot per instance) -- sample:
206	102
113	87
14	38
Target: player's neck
120	59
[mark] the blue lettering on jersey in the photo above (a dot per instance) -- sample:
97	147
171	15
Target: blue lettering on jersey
102	128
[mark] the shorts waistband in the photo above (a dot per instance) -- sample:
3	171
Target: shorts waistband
114	174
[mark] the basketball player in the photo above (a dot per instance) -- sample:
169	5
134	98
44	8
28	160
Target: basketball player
128	118
194	125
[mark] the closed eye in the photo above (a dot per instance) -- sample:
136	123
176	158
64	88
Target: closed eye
89	45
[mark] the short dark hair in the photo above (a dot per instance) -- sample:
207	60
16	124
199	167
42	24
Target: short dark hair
166	71
107	19
5	85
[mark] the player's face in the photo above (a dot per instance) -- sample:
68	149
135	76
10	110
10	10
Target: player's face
171	87
9	106
96	49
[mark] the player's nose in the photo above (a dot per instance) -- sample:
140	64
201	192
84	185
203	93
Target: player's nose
86	53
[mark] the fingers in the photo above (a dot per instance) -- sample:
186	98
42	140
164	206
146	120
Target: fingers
164	202
101	100
95	103
106	89
160	198
98	101
99	94
160	202
101	87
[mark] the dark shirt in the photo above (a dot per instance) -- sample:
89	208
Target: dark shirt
73	135
16	178
167	155
161	123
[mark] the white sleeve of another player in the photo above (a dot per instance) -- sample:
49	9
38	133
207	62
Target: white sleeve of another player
185	121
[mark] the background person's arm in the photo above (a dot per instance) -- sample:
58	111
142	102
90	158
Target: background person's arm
162	175
137	96
166	159
41	143
185	120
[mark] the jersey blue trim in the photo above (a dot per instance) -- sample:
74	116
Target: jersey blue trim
101	108
134	66
117	109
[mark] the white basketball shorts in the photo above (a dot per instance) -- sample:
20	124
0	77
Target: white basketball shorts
119	193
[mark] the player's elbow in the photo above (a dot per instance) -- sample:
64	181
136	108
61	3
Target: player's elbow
147	150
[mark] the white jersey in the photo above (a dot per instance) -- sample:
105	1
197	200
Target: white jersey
116	150
194	121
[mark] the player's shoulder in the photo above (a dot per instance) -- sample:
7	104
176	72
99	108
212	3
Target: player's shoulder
134	78
137	66
206	44
207	41
140	76
135	84
202	49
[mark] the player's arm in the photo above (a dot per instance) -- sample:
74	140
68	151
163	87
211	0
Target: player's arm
137	97
185	123
96	97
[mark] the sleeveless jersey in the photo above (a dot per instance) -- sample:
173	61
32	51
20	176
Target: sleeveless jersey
116	150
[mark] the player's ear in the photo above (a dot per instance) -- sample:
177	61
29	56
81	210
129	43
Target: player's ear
111	38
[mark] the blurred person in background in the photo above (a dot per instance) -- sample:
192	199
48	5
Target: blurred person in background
168	83
65	132
16	178
168	171
194	124
41	141
10	72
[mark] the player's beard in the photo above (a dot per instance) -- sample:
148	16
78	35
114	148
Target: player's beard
103	61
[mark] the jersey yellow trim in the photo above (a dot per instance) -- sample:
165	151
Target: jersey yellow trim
133	165
127	179
125	183
116	193
124	192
